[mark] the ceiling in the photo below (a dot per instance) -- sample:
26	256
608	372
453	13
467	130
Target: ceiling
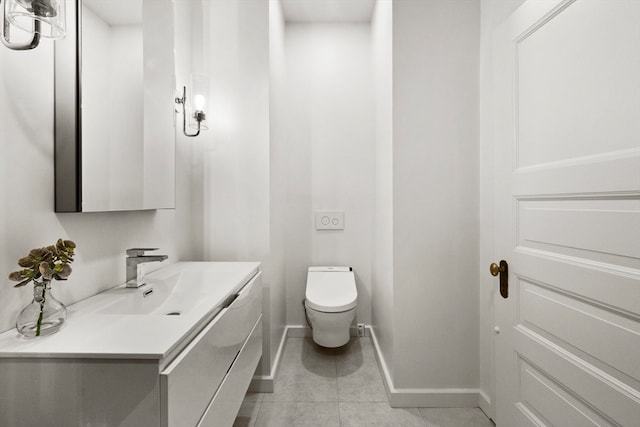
117	12
328	10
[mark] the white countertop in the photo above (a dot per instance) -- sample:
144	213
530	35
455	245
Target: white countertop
99	327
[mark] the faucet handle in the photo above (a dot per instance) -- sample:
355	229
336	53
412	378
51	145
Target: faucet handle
133	252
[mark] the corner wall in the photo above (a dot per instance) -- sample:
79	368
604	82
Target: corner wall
382	293
435	194
275	263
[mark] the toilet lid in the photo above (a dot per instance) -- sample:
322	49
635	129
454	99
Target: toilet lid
331	291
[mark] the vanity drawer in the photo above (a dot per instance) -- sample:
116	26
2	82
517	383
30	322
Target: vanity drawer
224	407
192	378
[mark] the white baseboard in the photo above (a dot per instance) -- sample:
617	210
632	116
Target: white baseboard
422	397
298	331
264	383
303	331
484	402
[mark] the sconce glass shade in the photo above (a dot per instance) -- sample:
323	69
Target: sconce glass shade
198	108
49	13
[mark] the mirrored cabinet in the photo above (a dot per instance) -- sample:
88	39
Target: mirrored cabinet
114	101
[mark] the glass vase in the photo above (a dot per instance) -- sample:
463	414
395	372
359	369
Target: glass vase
44	316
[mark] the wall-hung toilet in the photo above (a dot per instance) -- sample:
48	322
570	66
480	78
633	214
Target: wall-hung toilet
331	299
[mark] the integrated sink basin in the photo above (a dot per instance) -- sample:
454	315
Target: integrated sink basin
161	297
177	294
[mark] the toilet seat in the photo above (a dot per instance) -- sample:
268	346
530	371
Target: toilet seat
331	289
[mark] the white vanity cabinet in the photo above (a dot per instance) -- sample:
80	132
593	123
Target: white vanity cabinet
189	383
198	381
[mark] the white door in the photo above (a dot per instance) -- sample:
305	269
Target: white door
567	214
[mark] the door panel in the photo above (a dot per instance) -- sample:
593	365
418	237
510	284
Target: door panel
571	92
546	396
620	291
615	173
600	391
558	226
584	326
567	213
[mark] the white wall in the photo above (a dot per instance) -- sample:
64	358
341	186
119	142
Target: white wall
330	155
188	29
27	219
493	12
435	196
382	265
235	150
275	262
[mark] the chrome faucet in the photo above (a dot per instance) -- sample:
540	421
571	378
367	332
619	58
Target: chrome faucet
136	256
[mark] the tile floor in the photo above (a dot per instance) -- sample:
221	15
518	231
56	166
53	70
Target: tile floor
339	387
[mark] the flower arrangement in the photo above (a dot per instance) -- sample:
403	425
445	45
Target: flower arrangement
41	266
48	263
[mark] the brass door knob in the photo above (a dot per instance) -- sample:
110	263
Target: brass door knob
494	269
501	269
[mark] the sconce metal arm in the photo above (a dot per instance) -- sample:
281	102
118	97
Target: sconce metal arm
6	33
199	115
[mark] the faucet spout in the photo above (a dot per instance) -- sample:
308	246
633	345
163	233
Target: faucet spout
150	258
136	257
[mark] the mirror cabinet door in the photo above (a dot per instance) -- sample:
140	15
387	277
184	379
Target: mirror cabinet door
115	135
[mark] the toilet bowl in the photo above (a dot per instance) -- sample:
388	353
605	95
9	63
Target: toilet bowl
331	300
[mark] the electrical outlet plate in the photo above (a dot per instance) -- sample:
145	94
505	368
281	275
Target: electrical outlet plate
329	220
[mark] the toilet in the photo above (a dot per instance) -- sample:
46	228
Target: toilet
331	299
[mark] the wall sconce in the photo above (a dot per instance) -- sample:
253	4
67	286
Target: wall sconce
44	18
200	92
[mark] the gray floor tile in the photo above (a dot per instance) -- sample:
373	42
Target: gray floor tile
304	389
356	354
298	414
359	379
307	374
378	414
303	355
361	386
455	417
